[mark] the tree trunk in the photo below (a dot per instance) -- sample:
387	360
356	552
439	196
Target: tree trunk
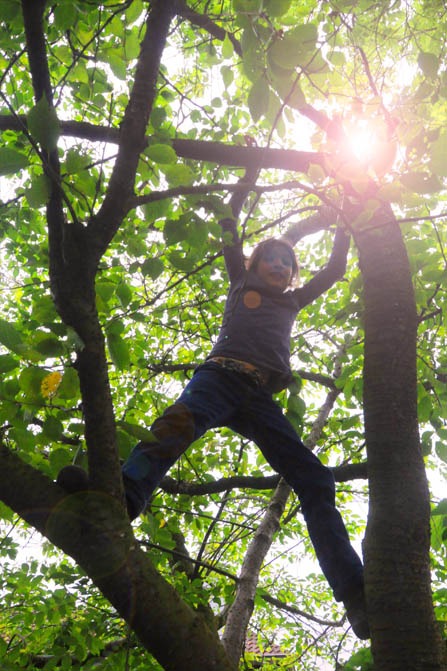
397	566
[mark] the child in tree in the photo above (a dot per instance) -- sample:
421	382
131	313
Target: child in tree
234	386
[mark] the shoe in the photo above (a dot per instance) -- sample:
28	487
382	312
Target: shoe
72	479
356	613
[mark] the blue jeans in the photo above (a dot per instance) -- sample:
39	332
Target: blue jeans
218	397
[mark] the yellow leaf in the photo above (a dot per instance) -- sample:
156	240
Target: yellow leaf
50	384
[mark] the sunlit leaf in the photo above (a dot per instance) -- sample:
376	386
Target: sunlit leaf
43	124
11	161
179	174
69	385
421	182
438	155
152	267
119	351
161	153
258	98
276	7
429	63
10	336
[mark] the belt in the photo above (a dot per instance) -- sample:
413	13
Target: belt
258	376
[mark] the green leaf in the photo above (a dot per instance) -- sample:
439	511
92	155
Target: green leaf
429	63
175	230
134	11
290	92
119	351
118	64
296	405
124	293
184	263
48	345
58	459
227	47
247	6
296	47
65	16
10	337
43	124
105	289
156	209
276	8
153	267
30	380
179	174
227	75
441	451
421	182
440	508
76	161
53	428
161	153
438	155
258	98
11	161
69	386
39	192
8	363
132	46
158	116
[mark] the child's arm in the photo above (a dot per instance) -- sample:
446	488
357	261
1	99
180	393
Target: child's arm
233	254
334	270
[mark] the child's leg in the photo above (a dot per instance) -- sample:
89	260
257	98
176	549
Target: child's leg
149	461
207	401
314	484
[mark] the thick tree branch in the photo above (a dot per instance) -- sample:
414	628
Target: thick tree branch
33	12
397	553
133	126
242	607
72	275
93	529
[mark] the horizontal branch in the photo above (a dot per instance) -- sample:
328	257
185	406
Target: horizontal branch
301	613
344	473
199	150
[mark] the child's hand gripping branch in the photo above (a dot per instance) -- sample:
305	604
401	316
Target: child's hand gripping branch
233	387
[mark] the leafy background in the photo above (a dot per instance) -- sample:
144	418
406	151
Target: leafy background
242	77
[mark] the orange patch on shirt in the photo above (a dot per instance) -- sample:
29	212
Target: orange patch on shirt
252	299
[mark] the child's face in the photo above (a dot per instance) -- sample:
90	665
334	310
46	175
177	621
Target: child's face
275	266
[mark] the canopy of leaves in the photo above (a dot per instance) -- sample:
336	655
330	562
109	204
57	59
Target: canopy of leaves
250	74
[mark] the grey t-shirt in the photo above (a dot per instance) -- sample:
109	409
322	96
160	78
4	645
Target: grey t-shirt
258	318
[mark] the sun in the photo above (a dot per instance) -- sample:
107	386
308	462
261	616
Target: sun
371	143
362	142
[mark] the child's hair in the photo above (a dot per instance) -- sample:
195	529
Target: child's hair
265	245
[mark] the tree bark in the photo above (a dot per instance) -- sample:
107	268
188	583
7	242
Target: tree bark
396	548
93	529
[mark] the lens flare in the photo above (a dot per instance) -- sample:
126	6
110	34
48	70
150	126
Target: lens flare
362	142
